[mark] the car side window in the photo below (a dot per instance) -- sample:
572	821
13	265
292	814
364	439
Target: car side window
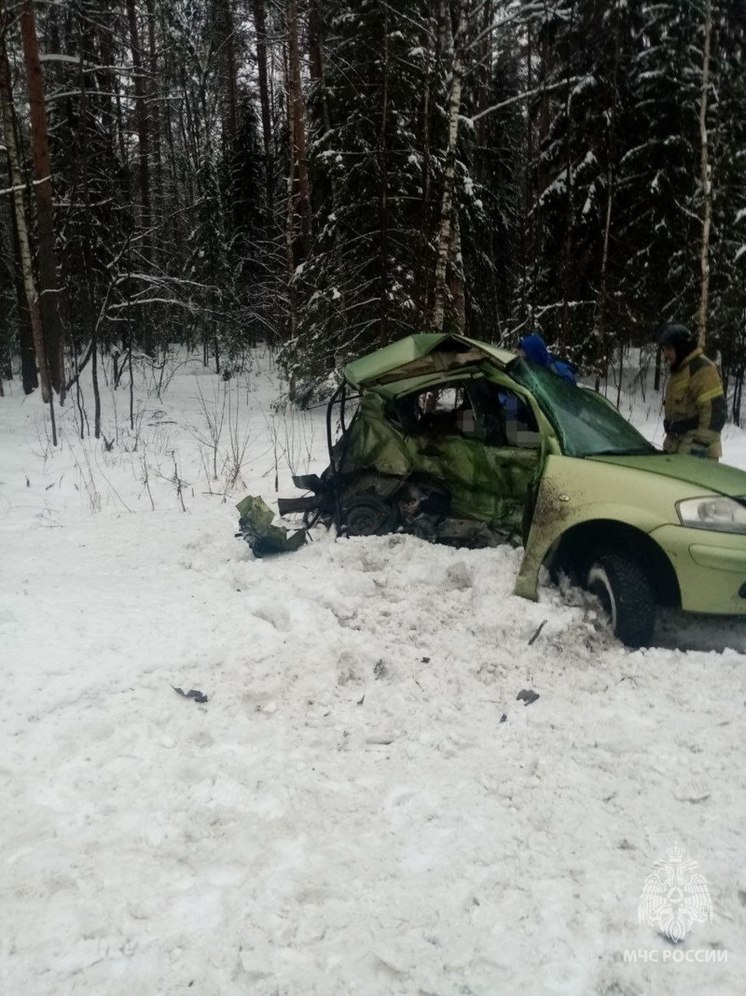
489	410
504	418
521	428
475	409
446	411
441	410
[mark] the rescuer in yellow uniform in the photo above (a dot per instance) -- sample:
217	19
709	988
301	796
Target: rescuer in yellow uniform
695	404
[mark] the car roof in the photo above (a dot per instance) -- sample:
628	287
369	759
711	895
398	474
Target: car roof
422	355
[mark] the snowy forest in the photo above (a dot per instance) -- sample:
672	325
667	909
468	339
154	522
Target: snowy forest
479	728
326	176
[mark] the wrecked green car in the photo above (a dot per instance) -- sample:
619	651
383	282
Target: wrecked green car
461	442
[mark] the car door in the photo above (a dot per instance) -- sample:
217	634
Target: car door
480	438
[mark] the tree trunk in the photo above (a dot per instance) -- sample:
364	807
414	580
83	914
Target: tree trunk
456	284
316	61
527	219
737	393
424	262
230	113
158	208
567	266
174	174
24	246
260	25
296	110
141	116
383	254
50	296
315	53
143	149
445	231
602	354
290	235
90	310
706	181
29	376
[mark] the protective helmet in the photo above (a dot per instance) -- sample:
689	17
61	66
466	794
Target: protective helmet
676	335
679	337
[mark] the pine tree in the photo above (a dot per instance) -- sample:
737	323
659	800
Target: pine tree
357	290
659	174
492	157
727	153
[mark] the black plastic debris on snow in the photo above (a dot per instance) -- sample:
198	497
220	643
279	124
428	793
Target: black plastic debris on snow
533	639
527	695
193	693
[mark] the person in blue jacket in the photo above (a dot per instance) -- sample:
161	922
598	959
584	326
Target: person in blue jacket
534	348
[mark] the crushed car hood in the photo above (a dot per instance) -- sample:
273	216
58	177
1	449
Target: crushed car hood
706	474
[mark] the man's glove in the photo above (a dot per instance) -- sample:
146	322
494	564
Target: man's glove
700	448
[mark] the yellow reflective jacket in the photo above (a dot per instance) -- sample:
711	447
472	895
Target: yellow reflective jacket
694	408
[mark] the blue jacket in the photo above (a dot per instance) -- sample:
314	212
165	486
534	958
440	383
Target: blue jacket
535	349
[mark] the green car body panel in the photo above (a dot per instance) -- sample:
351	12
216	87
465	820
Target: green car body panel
642	493
710	567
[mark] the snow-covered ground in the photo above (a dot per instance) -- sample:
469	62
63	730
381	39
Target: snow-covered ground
363	805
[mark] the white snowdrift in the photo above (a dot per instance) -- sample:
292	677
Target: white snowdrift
362	806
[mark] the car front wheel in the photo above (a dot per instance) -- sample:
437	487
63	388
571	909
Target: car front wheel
369	515
625	594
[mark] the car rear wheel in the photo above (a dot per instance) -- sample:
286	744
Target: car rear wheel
625	594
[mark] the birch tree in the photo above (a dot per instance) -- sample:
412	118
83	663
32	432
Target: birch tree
447	206
705	181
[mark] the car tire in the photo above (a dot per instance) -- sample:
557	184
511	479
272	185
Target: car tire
369	515
625	594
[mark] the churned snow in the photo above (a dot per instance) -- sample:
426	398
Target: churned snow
363	805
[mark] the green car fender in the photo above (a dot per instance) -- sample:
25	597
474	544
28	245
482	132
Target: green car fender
574	491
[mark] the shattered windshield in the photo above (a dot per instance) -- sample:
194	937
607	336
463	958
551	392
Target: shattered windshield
586	425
